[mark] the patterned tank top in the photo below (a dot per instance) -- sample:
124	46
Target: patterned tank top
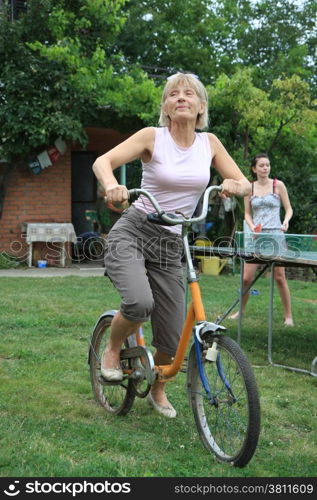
266	210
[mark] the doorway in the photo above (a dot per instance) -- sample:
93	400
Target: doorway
84	189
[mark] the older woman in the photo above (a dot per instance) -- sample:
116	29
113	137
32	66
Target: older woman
143	260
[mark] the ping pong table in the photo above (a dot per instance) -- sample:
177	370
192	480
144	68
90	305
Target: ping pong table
269	250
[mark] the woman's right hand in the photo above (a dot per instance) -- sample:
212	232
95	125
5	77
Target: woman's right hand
117	193
257	228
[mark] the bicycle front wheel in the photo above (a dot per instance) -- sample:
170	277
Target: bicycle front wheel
228	421
118	397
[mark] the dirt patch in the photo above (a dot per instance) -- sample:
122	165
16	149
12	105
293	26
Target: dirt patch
310	301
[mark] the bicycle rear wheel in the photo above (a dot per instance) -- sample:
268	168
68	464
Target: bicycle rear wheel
229	422
116	398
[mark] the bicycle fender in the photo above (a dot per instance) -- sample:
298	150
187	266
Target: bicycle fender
111	312
207	327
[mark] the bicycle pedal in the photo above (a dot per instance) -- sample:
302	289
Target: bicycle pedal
103	381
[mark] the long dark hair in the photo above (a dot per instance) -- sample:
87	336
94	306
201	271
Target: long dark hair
254	161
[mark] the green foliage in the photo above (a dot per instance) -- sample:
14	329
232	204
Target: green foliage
7	261
278	38
253	119
281	122
175	35
69	64
210	37
55	80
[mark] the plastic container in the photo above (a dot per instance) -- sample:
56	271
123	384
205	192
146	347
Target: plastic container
213	265
202	242
41	263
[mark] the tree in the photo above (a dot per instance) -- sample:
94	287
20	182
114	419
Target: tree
104	62
165	36
252	119
56	80
278	38
210	37
281	122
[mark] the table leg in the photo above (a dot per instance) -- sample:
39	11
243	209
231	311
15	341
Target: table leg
30	252
270	336
63	253
239	299
270	332
243	292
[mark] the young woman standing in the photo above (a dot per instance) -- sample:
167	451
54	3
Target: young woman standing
262	212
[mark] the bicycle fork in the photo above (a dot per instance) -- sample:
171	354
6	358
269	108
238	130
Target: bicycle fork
213	356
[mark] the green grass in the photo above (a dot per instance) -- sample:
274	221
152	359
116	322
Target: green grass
51	426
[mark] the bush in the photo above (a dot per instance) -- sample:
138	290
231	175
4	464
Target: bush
8	261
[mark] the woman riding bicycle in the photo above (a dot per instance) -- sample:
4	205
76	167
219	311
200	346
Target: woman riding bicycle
143	260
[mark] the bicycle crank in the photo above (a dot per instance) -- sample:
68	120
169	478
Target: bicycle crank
142	362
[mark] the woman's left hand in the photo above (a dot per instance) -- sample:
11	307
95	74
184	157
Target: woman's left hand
235	188
285	225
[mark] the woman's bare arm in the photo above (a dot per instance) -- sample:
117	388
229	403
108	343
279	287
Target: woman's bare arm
282	191
235	182
139	145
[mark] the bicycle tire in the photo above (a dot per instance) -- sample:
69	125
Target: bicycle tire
229	429
116	398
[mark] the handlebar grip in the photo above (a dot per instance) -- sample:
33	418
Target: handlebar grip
157	219
133	193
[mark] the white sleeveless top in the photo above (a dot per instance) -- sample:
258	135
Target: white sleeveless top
176	176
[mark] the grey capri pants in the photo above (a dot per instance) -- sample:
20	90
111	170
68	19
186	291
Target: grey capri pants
143	261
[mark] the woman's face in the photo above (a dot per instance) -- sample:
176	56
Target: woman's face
182	103
262	167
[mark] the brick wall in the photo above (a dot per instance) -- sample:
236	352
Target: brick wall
34	198
45	197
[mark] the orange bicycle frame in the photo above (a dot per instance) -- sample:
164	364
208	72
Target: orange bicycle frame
195	312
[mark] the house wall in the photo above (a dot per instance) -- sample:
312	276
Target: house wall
34	198
45	197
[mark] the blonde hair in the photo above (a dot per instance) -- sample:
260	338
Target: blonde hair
193	82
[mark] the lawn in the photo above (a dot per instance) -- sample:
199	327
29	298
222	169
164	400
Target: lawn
51	426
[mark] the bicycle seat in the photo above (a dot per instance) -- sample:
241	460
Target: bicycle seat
155	218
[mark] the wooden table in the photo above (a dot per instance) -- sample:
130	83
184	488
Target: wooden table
49	233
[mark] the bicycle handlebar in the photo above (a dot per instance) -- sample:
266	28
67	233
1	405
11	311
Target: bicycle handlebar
177	220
